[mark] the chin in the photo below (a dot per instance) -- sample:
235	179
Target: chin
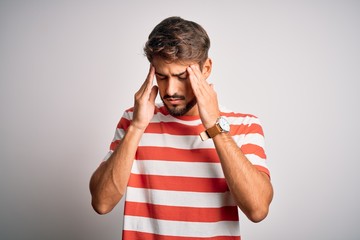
177	111
180	110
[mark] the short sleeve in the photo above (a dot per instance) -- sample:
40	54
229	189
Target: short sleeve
121	128
251	141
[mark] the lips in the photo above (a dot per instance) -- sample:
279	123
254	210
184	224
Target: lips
174	101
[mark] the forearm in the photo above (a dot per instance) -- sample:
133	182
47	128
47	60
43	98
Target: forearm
250	188
109	181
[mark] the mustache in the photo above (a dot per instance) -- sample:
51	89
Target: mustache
174	96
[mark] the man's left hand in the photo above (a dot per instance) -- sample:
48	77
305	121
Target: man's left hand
205	95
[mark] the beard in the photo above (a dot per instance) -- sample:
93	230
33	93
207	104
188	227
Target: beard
176	110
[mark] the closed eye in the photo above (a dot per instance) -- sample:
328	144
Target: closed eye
160	77
183	76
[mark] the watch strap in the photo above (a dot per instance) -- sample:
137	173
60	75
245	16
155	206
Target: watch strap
204	136
210	132
213	131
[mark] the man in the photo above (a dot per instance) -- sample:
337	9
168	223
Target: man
186	165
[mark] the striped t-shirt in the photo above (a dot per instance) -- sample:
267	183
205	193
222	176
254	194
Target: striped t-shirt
177	189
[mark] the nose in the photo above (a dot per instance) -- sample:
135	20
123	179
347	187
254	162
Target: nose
171	86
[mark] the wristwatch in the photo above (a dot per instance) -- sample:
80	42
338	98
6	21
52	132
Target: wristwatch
221	125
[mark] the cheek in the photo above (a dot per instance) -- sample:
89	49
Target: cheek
160	87
189	90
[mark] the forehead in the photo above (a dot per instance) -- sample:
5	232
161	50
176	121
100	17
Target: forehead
164	67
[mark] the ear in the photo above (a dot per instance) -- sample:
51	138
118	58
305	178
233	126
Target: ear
206	69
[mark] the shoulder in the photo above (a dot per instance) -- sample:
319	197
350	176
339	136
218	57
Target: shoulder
159	108
242	123
238	117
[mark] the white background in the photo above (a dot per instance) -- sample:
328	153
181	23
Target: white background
68	69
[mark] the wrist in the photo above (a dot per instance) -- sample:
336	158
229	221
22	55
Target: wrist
133	128
221	126
211	121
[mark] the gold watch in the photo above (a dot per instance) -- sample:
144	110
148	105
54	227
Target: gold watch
221	125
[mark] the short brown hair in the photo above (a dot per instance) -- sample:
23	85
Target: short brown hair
176	39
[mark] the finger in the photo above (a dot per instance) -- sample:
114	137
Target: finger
197	72
150	78
153	94
192	79
192	76
199	86
147	85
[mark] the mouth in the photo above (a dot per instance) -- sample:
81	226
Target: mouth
174	100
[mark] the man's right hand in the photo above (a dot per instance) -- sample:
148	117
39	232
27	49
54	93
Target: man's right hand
144	105
109	181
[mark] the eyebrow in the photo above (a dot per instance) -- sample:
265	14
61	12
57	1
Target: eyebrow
175	75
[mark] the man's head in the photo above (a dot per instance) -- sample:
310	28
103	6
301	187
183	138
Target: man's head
172	47
176	39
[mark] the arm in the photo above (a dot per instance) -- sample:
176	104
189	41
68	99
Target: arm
109	181
250	188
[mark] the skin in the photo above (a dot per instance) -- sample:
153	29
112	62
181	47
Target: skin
180	84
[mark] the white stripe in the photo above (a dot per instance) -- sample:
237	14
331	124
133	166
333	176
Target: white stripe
194	141
119	134
183	229
256	160
253	138
179	198
248	120
154	139
175	141
179	169
217	171
108	155
250	138
159	117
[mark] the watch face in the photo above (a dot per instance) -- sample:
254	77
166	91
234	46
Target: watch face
224	124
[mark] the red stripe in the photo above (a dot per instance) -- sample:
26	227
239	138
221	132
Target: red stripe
263	169
254	128
164	111
185	155
253	149
132	235
123	123
246	129
188	184
166	153
183	129
114	145
232	114
174	128
157	110
189	214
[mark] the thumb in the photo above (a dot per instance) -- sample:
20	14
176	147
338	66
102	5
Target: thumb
154	91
